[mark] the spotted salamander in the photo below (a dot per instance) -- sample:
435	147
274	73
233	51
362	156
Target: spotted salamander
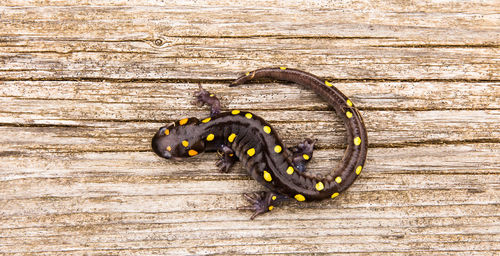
243	136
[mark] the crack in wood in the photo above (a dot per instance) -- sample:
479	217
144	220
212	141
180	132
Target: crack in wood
227	81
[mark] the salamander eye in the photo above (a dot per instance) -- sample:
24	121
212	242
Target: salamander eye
164	131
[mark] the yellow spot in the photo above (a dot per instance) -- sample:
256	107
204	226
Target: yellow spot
273	198
282	68
358	170
183	121
305	156
210	137
192	152
231	155
206	120
235	112
267	129
231	137
357	141
328	84
185	143
320	186
338	179
248	115
247	73
348	114
167	132
211	95
169	148
277	148
348	102
335	195
251	152
270	208
300	197
289	170
267	176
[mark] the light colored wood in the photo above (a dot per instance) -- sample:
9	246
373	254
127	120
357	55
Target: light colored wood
172	41
85	84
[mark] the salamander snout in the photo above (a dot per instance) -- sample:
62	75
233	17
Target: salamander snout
158	145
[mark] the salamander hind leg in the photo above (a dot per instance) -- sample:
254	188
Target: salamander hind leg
302	153
262	202
227	158
203	97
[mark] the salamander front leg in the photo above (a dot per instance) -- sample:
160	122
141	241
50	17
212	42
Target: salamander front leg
302	153
203	97
262	202
227	158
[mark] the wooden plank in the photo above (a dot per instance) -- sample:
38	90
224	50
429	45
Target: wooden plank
47	164
385	128
344	61
391	18
168	96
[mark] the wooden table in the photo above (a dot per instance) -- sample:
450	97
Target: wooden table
83	87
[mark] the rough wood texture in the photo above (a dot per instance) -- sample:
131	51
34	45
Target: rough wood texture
84	85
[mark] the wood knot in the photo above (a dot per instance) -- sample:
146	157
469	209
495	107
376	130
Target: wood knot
158	42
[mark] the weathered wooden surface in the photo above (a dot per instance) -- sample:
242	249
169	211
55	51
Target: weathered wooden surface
83	86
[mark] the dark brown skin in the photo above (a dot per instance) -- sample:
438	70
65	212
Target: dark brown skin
246	137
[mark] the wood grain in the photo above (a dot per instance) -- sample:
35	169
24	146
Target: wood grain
85	84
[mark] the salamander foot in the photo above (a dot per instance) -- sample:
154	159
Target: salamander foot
262	202
203	97
226	160
302	153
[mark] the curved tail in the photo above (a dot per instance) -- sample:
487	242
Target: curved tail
355	155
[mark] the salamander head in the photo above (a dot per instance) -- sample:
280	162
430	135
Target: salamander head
179	140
